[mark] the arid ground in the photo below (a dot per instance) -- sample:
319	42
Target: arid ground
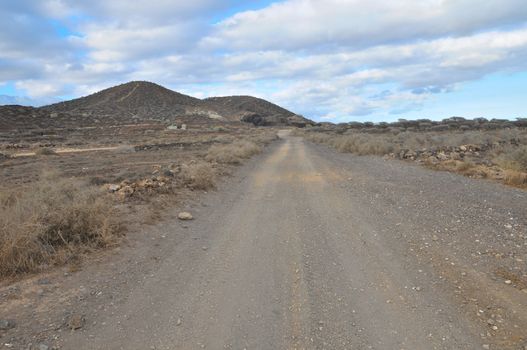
302	248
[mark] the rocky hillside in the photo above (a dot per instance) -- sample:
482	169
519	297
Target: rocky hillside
144	100
137	99
257	111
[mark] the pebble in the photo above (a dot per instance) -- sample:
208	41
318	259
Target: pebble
184	215
7	324
508	282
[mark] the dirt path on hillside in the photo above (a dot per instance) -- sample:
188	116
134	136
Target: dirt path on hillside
311	249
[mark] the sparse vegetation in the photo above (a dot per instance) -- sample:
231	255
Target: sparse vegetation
45	151
198	175
51	221
232	153
499	154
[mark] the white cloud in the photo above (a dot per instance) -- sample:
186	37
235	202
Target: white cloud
297	24
323	58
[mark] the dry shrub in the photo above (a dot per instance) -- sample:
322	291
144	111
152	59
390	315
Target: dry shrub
464	165
51	221
45	151
265	138
512	158
200	175
515	178
232	153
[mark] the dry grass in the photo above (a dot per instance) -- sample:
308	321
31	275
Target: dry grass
504	158
515	178
50	222
198	175
45	151
380	144
232	153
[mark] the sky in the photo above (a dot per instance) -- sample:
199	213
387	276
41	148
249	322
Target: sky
329	60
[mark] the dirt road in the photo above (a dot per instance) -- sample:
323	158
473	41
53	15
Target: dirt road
311	249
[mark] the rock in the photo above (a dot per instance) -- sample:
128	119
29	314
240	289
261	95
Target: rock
184	215
7	324
486	346
508	281
455	156
76	321
178	323
113	188
442	156
43	281
42	347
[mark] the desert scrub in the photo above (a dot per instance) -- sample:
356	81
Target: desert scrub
45	151
512	158
50	222
198	175
232	153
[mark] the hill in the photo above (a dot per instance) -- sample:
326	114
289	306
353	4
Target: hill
137	99
144	100
257	111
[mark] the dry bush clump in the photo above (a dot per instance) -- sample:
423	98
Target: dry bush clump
52	221
45	151
515	178
198	175
232	153
497	154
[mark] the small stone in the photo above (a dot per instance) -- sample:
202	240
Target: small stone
508	281
184	215
486	346
490	321
178	323
435	238
7	324
76	321
113	188
204	248
42	347
43	281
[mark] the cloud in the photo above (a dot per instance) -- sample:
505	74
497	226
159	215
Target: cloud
326	58
301	24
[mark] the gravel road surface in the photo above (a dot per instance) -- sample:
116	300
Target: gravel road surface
307	248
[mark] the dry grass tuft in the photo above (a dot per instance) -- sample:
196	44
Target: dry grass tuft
232	153
50	222
200	175
515	178
45	151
